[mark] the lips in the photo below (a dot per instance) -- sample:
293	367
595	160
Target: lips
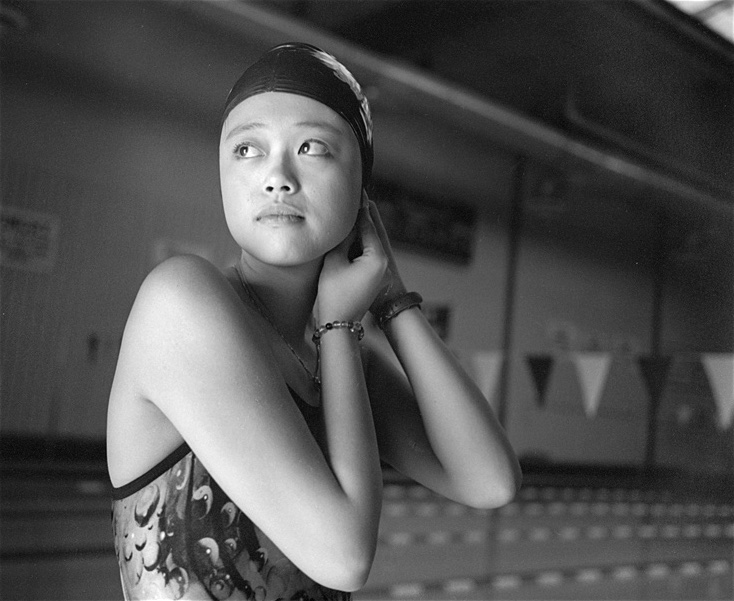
280	214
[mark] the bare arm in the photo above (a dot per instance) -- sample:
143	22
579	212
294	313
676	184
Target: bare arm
195	356
435	425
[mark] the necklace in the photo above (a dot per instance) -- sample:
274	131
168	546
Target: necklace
265	313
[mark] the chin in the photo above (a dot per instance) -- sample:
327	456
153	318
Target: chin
287	257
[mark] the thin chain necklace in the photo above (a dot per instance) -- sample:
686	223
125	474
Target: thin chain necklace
265	313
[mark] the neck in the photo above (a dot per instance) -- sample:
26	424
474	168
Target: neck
285	294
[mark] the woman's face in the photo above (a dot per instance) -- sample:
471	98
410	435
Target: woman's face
290	171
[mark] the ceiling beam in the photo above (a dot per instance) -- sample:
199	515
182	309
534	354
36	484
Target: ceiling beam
452	104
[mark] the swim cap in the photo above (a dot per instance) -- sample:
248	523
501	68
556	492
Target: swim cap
299	68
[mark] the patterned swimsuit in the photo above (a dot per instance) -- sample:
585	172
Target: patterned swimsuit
178	536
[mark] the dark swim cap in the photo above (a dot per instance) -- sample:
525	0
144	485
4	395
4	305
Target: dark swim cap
303	69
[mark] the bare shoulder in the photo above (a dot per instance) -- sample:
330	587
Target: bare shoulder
186	314
185	336
181	283
183	296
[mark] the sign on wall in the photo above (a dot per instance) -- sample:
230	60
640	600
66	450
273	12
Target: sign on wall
28	239
440	228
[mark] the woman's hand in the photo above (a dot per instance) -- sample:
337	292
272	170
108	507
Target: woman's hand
347	287
391	286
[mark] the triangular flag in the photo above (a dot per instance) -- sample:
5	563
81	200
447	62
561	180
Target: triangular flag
486	367
592	369
540	367
720	371
654	372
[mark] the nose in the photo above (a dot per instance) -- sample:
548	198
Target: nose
280	177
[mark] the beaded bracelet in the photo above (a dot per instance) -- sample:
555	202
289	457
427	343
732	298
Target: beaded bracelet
402	303
353	326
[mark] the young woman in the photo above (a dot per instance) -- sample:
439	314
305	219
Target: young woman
248	417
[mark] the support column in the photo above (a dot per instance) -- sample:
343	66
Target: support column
659	265
513	249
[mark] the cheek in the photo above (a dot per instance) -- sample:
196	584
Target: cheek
348	207
233	206
234	189
229	205
353	191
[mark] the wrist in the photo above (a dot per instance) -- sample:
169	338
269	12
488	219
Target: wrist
386	298
327	312
351	326
408	300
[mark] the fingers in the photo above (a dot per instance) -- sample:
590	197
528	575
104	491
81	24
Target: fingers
348	284
371	243
392	282
375	216
342	249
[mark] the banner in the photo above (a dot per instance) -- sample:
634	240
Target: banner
720	371
541	367
592	369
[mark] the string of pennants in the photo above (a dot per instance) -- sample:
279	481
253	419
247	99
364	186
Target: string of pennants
592	369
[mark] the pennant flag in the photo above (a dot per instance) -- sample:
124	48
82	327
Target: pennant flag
654	372
486	367
540	368
720	371
592	370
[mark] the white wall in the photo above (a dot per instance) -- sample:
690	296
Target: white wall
121	185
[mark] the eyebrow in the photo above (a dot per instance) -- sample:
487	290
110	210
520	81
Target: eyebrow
253	125
319	125
243	127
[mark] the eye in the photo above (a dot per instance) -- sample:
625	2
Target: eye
314	148
245	150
